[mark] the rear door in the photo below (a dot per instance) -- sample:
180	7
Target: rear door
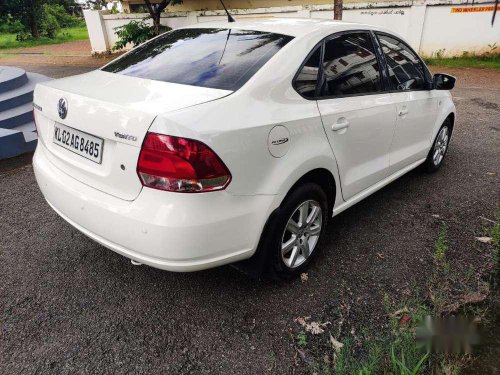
357	114
416	104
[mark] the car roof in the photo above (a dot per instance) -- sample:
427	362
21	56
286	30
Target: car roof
288	26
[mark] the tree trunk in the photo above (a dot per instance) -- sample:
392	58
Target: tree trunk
337	9
155	13
35	32
156	23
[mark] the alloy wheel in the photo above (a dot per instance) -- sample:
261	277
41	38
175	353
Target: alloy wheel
440	146
301	233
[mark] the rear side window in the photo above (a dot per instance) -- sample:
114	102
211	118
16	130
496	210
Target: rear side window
215	58
307	78
350	66
406	71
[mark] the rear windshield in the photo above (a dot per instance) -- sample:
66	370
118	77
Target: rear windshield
215	58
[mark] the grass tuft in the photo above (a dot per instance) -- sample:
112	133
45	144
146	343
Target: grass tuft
301	339
441	247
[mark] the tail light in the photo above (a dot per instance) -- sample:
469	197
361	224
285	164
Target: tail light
180	165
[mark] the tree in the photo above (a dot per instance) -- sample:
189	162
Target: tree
96	4
155	11
337	9
30	12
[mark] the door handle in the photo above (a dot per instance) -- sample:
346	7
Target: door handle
341	124
403	112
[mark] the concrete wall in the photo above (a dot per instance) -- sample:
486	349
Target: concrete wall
430	26
190	5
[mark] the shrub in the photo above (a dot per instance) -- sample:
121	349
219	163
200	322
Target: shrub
62	17
50	26
135	32
23	36
11	26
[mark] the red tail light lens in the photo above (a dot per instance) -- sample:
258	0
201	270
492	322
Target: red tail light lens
180	165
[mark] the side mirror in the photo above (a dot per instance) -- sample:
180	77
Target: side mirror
443	81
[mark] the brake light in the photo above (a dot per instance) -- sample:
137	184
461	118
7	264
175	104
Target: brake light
180	165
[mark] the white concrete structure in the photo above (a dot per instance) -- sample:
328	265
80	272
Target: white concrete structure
449	28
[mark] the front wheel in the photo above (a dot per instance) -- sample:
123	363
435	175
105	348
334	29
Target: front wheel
439	148
299	225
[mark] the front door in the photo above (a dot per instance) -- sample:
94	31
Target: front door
416	105
358	116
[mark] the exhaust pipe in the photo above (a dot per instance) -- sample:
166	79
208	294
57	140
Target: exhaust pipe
134	263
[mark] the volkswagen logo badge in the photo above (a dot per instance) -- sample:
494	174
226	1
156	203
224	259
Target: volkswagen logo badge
62	108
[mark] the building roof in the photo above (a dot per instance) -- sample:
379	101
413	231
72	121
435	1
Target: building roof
287	26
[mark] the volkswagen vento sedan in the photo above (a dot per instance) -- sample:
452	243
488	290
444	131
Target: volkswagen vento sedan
236	142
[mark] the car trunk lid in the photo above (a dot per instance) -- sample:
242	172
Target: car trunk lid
115	108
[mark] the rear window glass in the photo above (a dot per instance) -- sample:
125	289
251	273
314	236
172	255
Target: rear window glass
215	58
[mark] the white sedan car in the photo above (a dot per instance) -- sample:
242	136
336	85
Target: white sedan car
235	142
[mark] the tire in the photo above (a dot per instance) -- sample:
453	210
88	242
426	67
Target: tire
308	197
439	148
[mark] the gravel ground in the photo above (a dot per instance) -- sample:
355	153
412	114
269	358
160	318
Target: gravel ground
69	305
55	60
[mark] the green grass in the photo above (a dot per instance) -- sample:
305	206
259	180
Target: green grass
441	247
395	352
302	339
8	41
491	61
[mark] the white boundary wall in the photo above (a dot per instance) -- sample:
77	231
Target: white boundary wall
448	27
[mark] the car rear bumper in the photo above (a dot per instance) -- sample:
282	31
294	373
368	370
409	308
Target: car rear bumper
171	231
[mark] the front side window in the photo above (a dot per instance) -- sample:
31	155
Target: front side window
350	66
307	78
215	58
406	71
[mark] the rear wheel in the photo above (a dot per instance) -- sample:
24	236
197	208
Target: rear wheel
297	231
439	148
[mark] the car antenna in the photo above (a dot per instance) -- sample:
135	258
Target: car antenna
229	17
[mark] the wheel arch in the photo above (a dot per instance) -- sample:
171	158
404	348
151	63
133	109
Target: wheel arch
255	266
451	117
324	179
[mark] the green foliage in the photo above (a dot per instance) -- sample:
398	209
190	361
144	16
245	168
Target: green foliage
50	25
61	15
301	339
441	247
114	9
9	41
10	25
39	17
135	32
96	4
396	352
400	366
23	36
139	9
490	60
370	363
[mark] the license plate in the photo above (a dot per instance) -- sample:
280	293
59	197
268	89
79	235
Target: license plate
81	143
